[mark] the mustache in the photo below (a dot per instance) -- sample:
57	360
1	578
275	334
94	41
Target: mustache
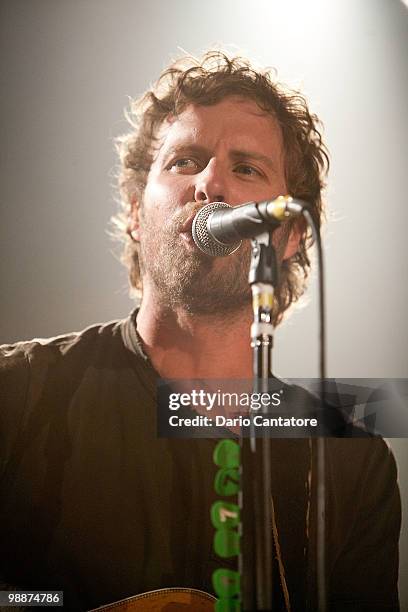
188	212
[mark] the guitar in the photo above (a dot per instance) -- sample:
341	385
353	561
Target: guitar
167	600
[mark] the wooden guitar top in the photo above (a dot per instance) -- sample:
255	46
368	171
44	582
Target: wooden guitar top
168	600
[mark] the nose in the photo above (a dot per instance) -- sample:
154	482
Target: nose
210	184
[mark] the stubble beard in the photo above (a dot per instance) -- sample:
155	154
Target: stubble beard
189	279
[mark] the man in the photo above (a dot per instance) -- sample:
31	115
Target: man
92	501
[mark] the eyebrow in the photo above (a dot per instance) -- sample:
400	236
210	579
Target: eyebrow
185	148
235	154
239	155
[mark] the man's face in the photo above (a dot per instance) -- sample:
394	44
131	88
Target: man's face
230	152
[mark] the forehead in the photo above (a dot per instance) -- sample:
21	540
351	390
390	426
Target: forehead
233	122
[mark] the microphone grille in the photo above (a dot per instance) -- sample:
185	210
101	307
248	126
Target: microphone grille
202	237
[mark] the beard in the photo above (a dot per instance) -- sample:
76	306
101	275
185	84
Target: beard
198	283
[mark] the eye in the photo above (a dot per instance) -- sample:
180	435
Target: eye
248	170
184	165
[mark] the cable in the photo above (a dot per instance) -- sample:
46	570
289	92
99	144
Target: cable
321	441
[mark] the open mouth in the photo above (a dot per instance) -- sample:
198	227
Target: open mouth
186	230
187	225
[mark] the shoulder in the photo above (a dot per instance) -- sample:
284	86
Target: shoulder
60	364
21	356
45	374
361	458
362	476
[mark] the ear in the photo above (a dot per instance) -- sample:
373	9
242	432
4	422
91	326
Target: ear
133	228
295	236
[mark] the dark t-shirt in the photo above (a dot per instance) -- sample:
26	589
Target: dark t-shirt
95	504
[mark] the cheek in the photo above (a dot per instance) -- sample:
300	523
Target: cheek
166	192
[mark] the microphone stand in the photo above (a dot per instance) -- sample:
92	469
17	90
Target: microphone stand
256	562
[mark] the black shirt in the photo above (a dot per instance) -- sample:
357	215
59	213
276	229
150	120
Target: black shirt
95	504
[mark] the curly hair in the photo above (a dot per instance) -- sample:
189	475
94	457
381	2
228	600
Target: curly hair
205	82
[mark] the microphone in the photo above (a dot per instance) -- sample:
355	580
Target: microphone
218	227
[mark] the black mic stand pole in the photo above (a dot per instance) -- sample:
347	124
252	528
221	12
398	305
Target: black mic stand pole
256	500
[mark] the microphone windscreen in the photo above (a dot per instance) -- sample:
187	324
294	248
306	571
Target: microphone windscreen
202	237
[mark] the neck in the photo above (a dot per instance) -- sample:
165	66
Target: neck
184	345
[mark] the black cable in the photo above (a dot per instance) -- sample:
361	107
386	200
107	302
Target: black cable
322	305
320	442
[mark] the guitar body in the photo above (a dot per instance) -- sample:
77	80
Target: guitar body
168	600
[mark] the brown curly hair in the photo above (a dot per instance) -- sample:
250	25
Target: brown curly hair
204	82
